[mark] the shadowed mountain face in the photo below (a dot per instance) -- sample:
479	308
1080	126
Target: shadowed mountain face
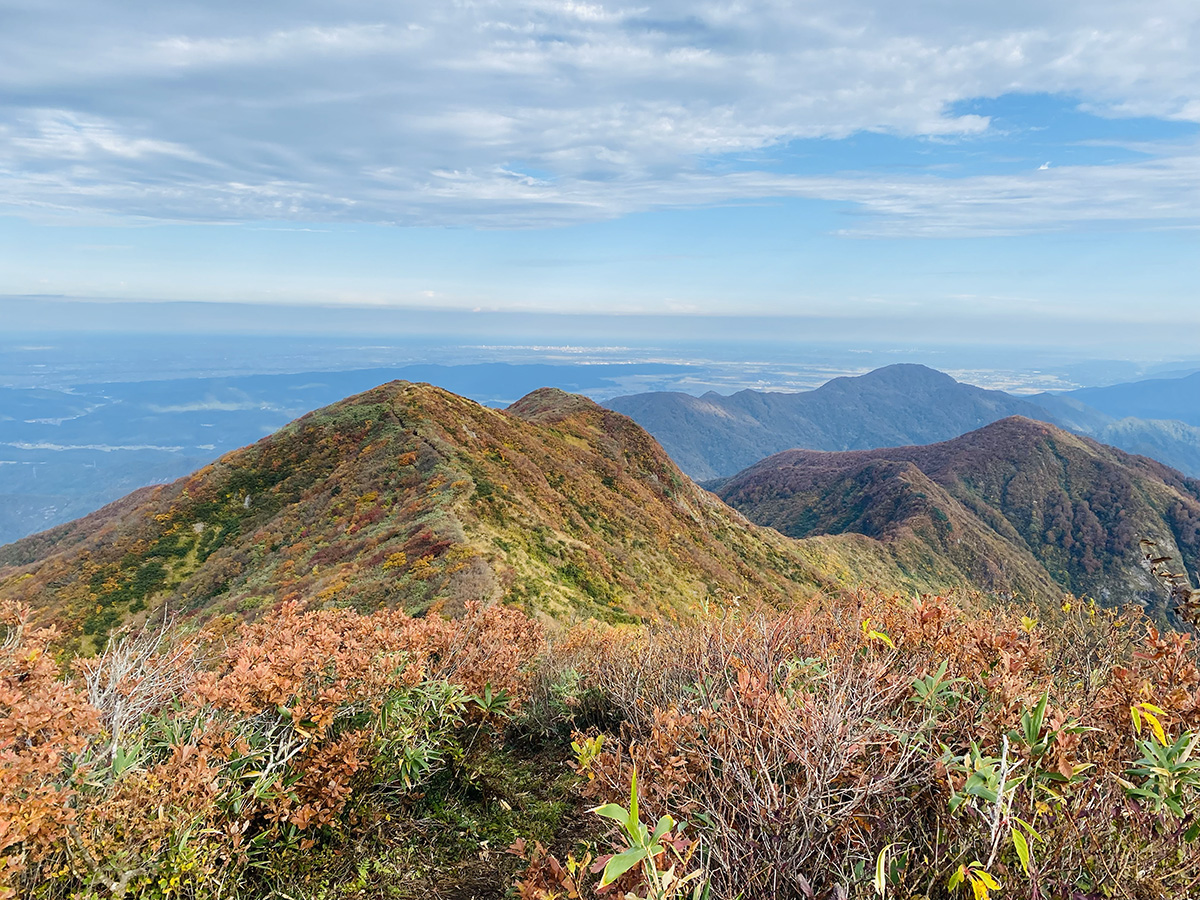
714	436
410	496
1159	398
1018	505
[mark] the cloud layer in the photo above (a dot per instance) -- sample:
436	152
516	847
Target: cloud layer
506	114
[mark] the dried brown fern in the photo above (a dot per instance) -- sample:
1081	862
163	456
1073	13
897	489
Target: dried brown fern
1185	602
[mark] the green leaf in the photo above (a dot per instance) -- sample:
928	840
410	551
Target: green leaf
956	878
665	824
1039	715
633	806
1022	847
620	864
614	812
978	790
1032	831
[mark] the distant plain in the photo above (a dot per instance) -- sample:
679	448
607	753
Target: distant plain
88	417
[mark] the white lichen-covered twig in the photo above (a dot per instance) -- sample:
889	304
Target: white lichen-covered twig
136	676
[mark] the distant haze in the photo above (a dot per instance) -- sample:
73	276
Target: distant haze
1056	341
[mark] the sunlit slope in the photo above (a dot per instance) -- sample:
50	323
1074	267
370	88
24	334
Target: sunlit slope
410	496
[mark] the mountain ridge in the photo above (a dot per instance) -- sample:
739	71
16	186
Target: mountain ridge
715	436
1071	509
1175	399
409	496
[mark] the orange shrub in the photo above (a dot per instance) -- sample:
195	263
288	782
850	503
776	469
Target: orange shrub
43	722
188	778
811	744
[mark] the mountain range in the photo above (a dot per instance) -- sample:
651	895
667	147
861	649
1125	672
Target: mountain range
1156	398
1018	506
714	435
410	496
68	450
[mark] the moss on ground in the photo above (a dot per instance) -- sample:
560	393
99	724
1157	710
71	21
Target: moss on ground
451	841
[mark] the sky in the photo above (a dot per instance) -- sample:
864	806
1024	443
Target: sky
1019	168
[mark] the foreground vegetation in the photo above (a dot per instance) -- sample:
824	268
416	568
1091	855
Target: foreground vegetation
862	746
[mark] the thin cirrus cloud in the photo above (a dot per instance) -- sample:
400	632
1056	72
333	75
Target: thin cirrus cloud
513	115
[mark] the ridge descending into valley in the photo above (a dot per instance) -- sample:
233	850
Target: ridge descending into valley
1018	506
409	496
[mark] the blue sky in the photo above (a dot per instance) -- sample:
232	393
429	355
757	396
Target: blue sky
924	162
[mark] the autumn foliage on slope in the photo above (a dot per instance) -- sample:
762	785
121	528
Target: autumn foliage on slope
1022	506
860	746
880	746
410	497
286	737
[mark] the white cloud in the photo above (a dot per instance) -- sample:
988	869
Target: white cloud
211	404
55	134
1155	193
103	448
180	51
511	114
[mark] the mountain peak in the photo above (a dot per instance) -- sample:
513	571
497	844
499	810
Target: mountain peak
908	371
896	405
896	377
411	496
1016	502
1023	425
548	405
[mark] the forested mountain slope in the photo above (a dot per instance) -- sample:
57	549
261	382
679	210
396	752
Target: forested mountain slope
1017	504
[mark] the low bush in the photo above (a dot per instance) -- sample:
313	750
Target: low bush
879	746
172	769
863	746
